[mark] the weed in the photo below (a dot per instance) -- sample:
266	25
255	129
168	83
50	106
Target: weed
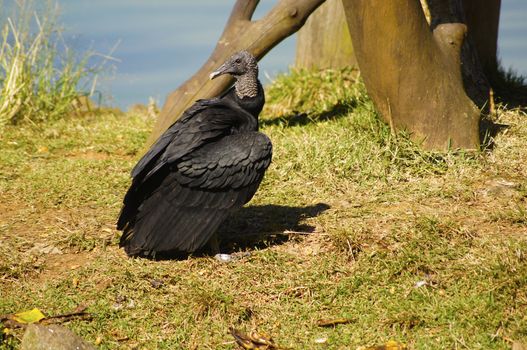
40	77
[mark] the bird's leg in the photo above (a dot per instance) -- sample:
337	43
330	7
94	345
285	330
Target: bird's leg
214	248
214	244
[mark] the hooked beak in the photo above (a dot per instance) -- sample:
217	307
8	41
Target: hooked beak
220	71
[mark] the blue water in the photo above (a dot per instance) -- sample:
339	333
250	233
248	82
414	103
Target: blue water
512	40
158	44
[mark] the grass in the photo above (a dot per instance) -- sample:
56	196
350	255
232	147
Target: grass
40	77
428	249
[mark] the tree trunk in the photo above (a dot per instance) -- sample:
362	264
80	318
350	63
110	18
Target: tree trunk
324	41
240	33
414	74
482	19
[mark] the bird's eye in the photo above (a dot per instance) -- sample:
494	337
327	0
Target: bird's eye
238	60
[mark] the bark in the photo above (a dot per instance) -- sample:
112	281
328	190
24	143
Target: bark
258	37
475	81
414	74
482	18
324	41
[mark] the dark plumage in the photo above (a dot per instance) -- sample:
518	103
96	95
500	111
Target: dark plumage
210	161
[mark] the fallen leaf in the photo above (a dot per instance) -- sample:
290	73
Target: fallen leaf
253	340
30	316
42	149
22	319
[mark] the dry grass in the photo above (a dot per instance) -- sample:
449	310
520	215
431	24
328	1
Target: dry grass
428	249
40	77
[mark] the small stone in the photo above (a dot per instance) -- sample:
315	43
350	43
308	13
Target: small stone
419	284
156	283
43	249
501	188
39	337
321	340
223	257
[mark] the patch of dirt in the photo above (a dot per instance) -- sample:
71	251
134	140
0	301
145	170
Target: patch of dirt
306	244
50	224
56	265
13	212
49	242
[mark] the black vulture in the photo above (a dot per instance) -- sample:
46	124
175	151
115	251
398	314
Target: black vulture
209	162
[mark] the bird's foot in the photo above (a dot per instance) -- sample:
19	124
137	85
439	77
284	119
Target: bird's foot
231	257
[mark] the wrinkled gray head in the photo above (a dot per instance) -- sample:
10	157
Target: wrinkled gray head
239	64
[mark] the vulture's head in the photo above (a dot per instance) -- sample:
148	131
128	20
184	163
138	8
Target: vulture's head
239	64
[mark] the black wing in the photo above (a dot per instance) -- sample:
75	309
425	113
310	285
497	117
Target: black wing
205	120
196	194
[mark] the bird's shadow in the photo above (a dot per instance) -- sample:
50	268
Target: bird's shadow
256	227
260	226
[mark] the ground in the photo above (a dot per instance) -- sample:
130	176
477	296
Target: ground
352	221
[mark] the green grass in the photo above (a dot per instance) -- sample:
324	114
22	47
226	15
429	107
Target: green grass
428	249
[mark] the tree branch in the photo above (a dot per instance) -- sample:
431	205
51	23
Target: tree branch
240	33
243	10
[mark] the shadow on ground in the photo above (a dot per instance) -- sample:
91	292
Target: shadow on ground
261	226
339	110
488	130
